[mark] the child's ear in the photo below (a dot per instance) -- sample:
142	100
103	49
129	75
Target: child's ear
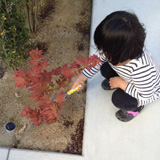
105	54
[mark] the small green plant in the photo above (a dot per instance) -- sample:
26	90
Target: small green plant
14	35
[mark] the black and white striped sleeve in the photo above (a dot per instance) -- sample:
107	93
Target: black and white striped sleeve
94	70
144	80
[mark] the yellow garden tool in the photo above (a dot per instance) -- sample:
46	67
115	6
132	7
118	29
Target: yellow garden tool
70	91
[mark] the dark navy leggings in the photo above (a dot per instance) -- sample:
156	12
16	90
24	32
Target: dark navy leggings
120	99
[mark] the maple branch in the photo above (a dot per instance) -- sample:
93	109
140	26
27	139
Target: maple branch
58	84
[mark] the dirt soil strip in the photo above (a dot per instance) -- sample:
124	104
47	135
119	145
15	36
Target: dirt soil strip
63	35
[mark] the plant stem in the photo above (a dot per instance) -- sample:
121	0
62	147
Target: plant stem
55	88
35	15
6	6
4	50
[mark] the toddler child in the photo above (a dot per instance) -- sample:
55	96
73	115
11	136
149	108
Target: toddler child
125	64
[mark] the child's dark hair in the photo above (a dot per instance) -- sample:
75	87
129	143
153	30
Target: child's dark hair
120	36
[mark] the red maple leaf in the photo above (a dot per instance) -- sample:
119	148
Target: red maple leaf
26	111
35	53
60	98
16	72
44	64
83	61
64	70
50	112
45	99
62	82
20	82
35	72
67	72
46	78
37	91
57	71
38	59
88	62
21	78
41	85
65	82
33	114
93	61
76	67
34	61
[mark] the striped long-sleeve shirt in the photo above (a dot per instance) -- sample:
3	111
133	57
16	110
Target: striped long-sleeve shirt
142	75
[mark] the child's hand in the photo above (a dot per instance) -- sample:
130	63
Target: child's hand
80	80
117	82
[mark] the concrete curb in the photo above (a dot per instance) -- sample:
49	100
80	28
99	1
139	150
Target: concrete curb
4	152
23	154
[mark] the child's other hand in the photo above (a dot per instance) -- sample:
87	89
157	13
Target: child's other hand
117	82
80	80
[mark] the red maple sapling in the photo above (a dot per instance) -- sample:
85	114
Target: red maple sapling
39	81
